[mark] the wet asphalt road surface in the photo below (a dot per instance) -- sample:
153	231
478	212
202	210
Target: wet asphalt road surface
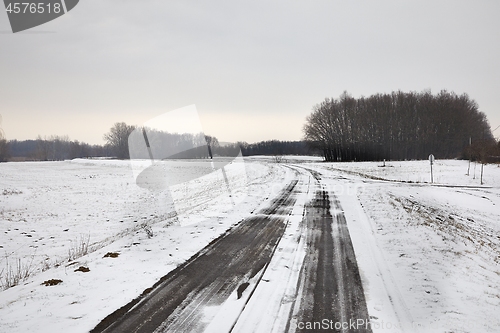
208	278
330	293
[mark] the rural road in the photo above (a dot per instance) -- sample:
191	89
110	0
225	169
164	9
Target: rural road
230	271
331	285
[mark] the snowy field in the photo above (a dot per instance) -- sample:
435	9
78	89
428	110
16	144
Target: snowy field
429	254
49	209
445	172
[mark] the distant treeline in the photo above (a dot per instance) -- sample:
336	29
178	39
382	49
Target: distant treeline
396	126
188	145
57	148
128	141
165	145
54	148
275	147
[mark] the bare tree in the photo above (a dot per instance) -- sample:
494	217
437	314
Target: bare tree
212	143
117	139
484	152
4	149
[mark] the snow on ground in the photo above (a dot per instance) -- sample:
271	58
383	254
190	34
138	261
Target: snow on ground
451	172
286	158
47	207
429	255
59	204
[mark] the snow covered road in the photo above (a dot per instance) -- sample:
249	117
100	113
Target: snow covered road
229	266
331	296
215	288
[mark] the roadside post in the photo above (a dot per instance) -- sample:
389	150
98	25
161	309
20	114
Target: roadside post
431	160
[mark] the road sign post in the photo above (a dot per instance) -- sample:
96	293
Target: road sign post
431	160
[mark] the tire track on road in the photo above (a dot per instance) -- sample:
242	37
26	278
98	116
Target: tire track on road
330	293
177	301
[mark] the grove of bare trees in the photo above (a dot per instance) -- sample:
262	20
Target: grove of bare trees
396	126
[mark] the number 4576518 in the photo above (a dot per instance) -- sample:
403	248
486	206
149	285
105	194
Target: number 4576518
32	7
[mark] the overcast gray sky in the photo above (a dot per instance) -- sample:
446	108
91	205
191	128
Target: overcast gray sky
254	69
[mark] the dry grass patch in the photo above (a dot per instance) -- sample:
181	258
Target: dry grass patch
51	282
